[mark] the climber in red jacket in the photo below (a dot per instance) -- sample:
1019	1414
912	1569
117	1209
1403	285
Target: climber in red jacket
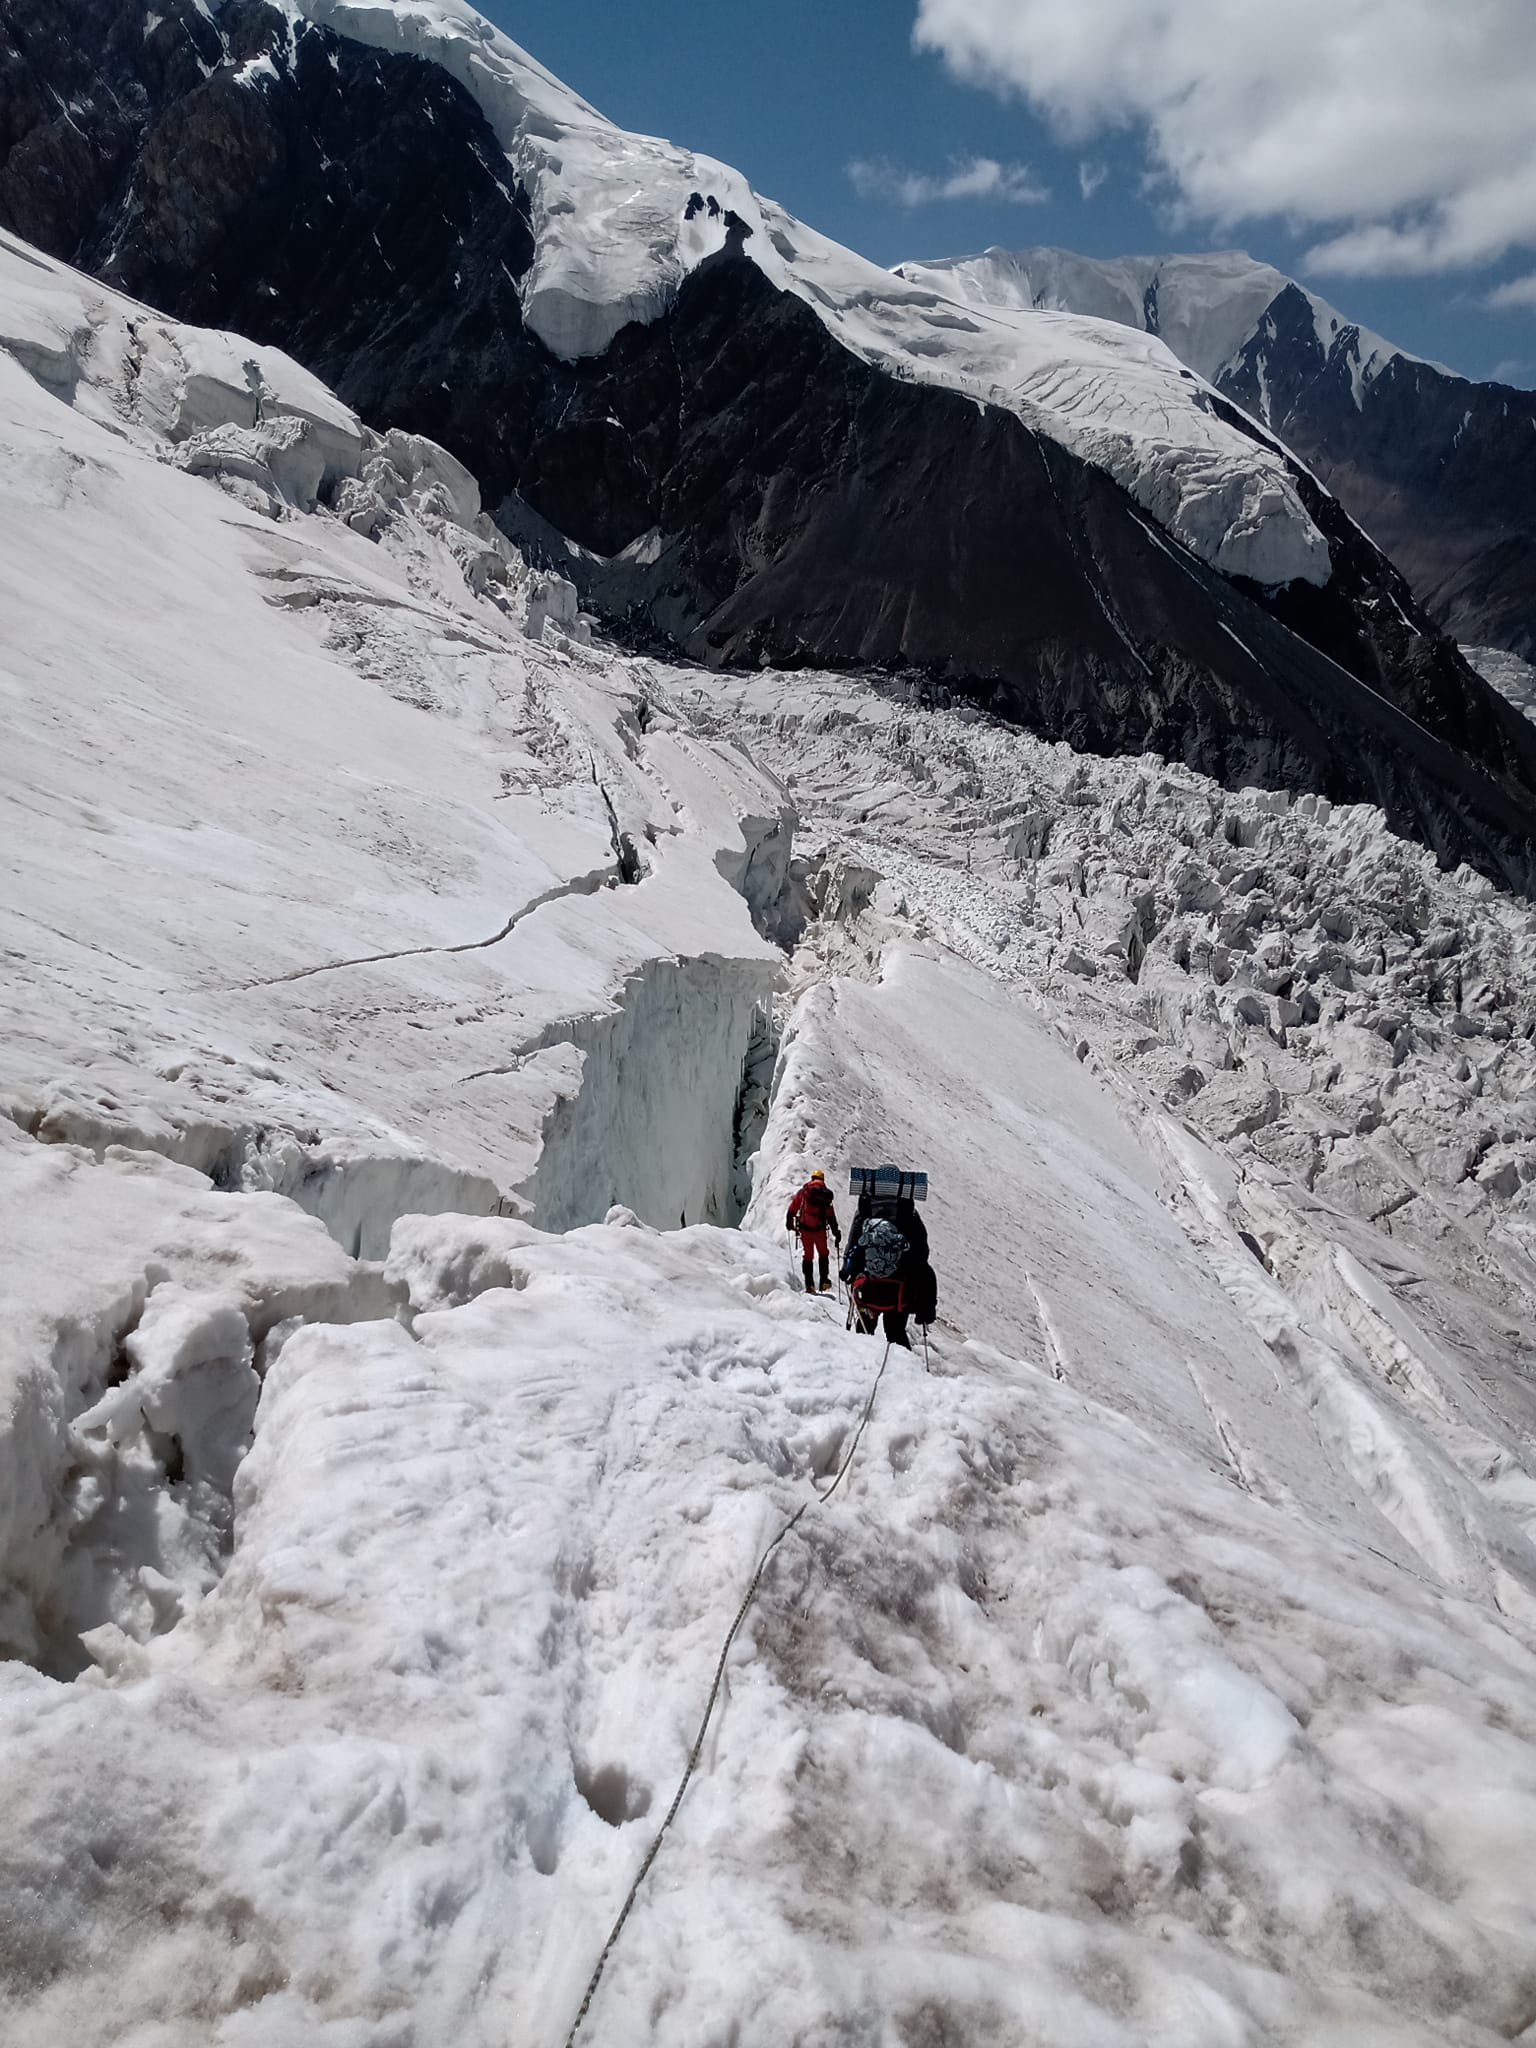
812	1214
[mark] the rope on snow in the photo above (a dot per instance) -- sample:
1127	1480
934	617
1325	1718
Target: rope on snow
709	1706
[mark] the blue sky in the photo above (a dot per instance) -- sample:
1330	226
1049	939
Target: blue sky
794	94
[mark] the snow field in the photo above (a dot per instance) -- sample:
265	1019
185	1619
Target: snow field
1148	1733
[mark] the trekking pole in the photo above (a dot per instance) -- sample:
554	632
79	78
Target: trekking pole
926	1366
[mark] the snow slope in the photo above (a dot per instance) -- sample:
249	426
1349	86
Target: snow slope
1164	1670
1326	1043
322	878
617	229
1207	308
1044	1730
906	1060
316	857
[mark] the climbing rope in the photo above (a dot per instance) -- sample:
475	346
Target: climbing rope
709	1705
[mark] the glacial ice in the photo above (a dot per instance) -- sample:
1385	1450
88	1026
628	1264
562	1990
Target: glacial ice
382	961
1268	980
137	1299
1507	673
1163	1673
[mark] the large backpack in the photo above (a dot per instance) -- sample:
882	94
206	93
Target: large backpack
883	1249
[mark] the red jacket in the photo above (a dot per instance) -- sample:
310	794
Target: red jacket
812	1209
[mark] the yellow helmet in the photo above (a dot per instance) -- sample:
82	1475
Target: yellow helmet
818	1174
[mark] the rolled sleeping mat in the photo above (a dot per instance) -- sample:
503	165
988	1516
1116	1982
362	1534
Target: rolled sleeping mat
898	1183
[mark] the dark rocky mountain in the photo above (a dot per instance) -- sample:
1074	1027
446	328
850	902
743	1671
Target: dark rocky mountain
1438	469
741	486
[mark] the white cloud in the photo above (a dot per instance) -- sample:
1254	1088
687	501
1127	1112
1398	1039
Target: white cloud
1401	129
1091	176
978	177
1520	291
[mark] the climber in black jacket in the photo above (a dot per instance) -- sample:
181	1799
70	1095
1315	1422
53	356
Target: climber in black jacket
887	1268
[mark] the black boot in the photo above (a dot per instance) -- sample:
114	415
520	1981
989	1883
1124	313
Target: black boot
810	1284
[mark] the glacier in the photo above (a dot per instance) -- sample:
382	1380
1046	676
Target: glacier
1509	675
416	1013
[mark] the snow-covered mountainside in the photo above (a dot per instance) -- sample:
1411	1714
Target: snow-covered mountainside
743	443
408	994
1207	307
1432	465
618	222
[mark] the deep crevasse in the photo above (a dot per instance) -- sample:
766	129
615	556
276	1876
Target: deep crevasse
652	1124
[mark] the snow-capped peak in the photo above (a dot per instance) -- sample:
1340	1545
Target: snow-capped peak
620	220
1206	307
